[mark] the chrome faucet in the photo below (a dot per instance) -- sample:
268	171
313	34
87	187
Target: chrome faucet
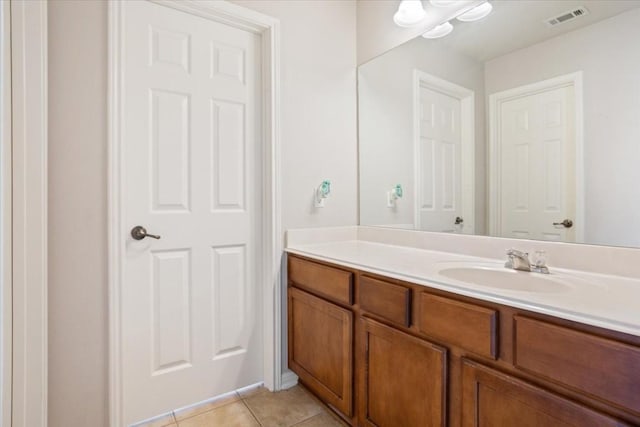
518	260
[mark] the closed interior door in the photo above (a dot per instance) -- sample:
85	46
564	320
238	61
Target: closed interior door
537	181
439	159
190	300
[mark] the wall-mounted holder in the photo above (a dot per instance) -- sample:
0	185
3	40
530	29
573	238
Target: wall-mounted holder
393	195
321	193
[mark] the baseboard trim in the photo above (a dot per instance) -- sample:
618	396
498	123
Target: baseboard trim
288	380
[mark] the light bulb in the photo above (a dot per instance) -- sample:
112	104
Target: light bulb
410	13
444	3
439	31
476	13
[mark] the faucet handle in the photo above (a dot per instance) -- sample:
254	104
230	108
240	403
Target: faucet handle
516	253
539	258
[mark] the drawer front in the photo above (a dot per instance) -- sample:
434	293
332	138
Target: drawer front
387	300
329	282
468	326
603	368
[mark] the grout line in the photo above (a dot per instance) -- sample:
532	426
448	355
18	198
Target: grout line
251	412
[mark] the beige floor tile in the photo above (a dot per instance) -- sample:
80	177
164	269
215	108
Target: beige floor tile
234	414
323	419
252	391
284	408
214	403
161	421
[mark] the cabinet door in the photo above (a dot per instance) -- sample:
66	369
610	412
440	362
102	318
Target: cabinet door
491	398
321	348
402	378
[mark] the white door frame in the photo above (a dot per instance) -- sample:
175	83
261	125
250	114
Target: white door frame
467	127
29	214
269	30
495	145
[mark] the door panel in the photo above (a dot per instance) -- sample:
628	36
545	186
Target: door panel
190	301
171	337
538	166
439	185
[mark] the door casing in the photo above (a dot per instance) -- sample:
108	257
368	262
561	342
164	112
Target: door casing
5	216
495	154
29	201
269	30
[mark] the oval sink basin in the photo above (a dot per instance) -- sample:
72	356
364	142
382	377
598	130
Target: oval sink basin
504	278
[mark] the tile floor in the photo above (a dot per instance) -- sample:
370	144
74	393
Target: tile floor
254	408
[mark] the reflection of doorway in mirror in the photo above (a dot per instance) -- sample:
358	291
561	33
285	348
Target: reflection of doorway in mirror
535	161
444	155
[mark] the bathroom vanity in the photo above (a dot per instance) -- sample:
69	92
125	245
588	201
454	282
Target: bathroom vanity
413	347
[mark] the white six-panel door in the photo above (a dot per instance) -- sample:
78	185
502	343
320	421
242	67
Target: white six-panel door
537	181
190	300
439	160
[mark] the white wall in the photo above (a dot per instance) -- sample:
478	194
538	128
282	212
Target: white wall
386	126
318	142
607	53
78	350
318	108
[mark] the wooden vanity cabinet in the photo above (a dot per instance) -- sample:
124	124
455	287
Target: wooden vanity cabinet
403	378
492	398
320	331
383	352
321	348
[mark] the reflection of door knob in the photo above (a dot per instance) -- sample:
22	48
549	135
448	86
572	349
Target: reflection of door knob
459	220
139	232
567	223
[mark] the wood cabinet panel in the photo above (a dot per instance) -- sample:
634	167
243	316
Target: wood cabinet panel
468	326
331	283
591	364
548	372
387	300
491	398
403	379
321	348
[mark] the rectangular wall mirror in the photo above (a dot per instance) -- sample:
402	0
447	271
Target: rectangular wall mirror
525	124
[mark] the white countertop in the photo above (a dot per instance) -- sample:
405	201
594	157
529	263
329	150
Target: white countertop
607	301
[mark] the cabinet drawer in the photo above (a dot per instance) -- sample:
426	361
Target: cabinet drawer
468	326
387	300
329	282
600	367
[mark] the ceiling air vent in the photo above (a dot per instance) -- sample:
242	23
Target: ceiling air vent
567	16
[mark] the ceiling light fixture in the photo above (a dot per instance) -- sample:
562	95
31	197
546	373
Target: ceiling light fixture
439	31
409	14
444	3
476	13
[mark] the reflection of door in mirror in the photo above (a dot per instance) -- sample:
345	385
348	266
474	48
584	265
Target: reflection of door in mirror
443	155
535	150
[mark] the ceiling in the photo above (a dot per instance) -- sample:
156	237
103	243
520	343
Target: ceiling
515	24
